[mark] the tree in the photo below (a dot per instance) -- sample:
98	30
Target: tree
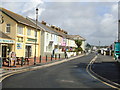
78	43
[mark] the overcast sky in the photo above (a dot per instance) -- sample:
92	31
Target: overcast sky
94	20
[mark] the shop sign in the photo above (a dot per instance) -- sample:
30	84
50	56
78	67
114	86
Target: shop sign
19	45
31	40
63	44
6	41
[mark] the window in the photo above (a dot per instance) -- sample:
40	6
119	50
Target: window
29	32
46	36
35	33
20	30
8	28
51	36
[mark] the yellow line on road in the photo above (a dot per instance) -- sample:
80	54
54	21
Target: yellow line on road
87	69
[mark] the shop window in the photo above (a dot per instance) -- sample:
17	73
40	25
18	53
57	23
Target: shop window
8	27
20	30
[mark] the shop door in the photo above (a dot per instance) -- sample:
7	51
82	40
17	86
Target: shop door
4	51
28	51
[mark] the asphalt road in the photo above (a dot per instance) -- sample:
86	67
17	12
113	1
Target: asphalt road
108	68
71	74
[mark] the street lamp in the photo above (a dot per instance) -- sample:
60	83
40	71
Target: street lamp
36	35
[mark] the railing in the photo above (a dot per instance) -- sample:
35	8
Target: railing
21	61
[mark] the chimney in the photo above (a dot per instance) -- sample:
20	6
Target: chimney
43	22
52	26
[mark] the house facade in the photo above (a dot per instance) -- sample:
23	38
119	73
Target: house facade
78	37
54	38
22	35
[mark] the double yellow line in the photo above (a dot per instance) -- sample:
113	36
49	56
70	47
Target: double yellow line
89	70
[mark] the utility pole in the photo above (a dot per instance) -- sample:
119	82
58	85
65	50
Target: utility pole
36	35
99	45
119	31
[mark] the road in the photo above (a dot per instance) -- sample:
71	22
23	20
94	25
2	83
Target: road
108	68
71	74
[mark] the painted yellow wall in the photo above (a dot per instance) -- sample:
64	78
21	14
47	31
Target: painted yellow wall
21	52
13	34
8	20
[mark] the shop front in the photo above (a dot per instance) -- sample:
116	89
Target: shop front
6	46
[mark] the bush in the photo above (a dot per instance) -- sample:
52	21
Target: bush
78	49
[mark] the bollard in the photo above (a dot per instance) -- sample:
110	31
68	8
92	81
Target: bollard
55	56
22	61
40	58
46	58
59	56
65	55
0	62
51	57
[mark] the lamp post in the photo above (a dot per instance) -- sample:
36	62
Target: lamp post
36	35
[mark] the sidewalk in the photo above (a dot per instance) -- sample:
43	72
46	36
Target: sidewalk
31	63
107	67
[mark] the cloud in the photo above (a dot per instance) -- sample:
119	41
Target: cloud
95	21
23	7
90	20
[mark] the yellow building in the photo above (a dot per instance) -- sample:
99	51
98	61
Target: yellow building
22	35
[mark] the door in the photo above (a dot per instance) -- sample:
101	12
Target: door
4	51
28	51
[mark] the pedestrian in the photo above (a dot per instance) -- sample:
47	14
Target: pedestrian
53	53
96	53
66	56
12	58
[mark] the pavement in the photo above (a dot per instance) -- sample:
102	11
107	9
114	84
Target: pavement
8	71
107	69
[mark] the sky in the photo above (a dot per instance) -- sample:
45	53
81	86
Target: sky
95	20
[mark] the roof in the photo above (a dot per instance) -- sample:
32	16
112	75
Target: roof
76	36
47	28
18	18
3	35
42	26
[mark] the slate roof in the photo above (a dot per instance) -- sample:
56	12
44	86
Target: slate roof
18	18
3	35
44	27
75	36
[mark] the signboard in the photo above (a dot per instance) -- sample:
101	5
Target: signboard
31	40
19	45
63	44
6	41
